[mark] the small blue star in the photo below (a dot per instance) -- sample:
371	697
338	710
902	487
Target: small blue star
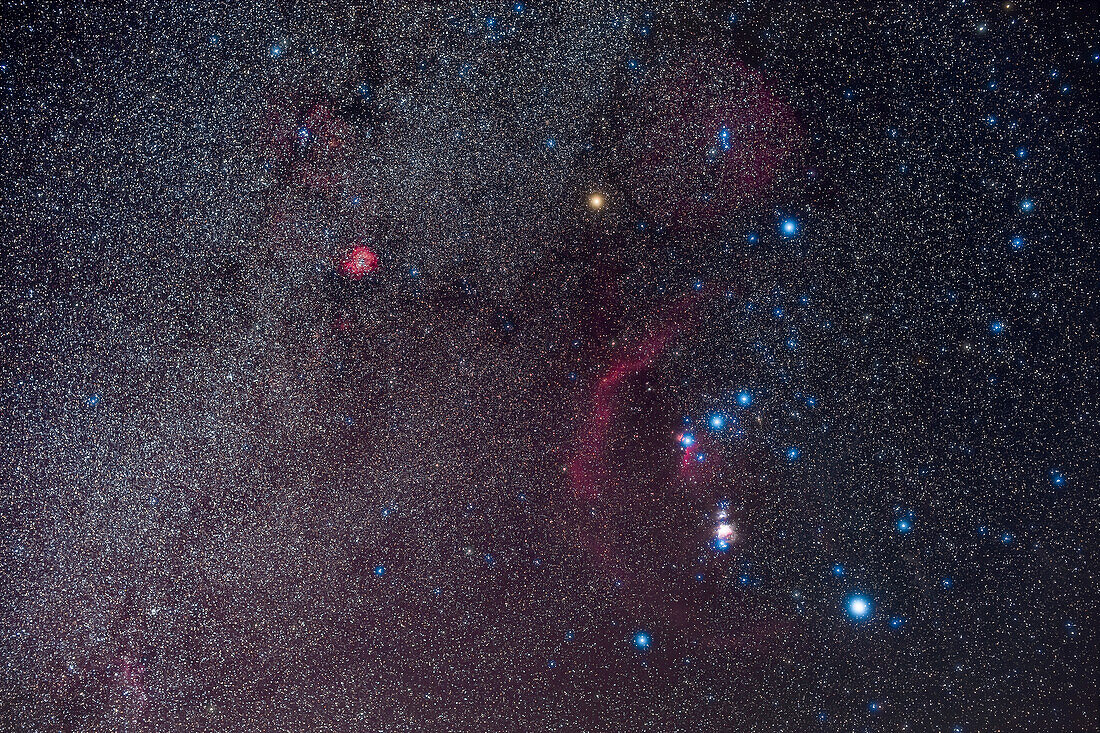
697	285
276	51
793	453
1006	538
1027	206
642	640
873	706
1021	153
379	570
838	570
92	400
997	327
518	8
720	544
1017	242
897	622
1057	478
904	525
753	237
947	583
789	227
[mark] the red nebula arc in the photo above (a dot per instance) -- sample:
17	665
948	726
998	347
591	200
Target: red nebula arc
586	470
605	488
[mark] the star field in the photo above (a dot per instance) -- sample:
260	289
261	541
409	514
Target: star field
549	367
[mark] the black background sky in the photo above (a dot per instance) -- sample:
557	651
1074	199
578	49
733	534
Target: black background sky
332	401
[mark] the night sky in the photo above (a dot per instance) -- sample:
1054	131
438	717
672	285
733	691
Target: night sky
576	367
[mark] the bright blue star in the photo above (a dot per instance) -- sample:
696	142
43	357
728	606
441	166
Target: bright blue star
793	453
687	440
721	545
1017	242
1027	206
904	525
744	398
717	421
859	607
789	227
642	640
997	326
838	570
